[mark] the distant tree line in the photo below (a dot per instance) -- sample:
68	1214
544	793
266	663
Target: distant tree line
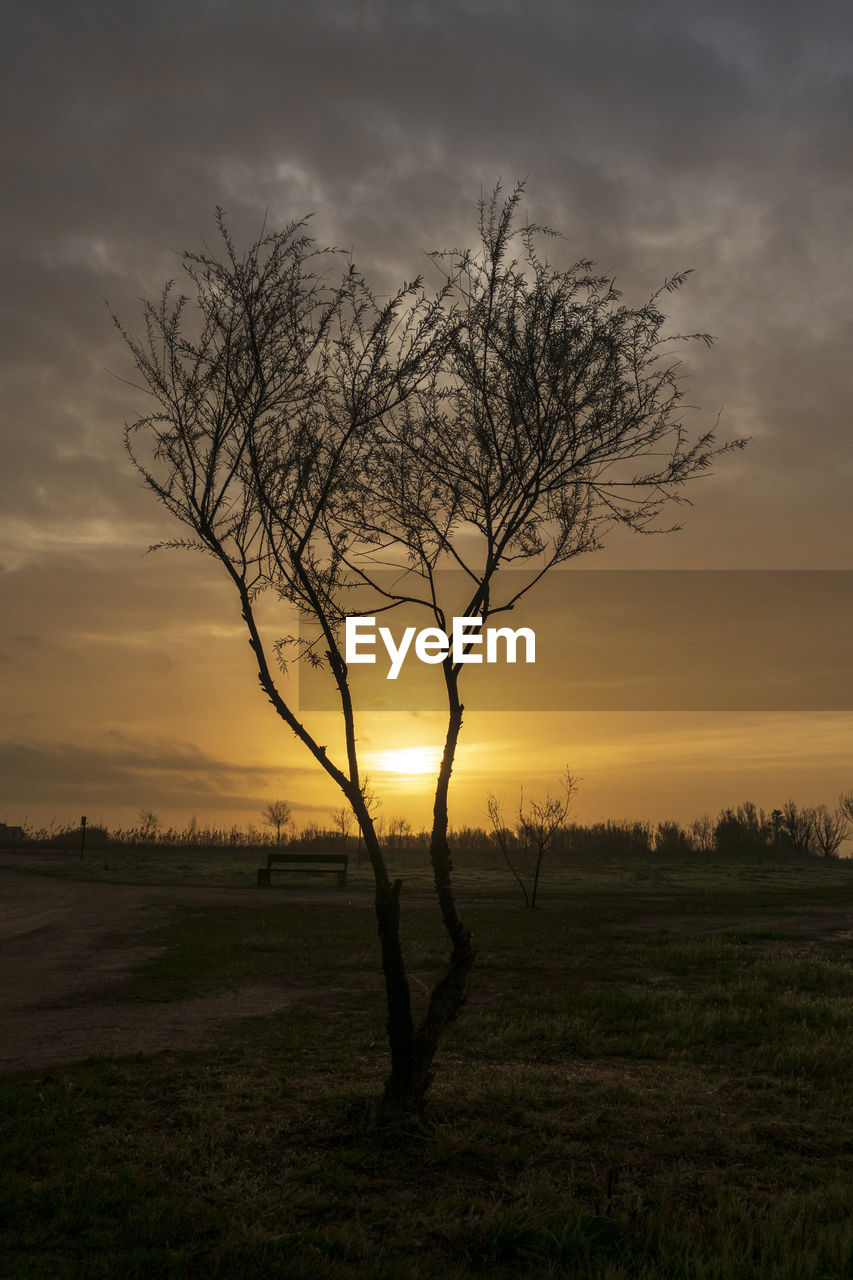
146	835
745	831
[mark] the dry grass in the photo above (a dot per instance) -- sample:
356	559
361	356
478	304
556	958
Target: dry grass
651	1080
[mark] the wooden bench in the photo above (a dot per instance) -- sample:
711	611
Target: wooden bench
309	864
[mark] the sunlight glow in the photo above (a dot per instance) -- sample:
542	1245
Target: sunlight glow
408	761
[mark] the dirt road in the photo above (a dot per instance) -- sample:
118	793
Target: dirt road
62	940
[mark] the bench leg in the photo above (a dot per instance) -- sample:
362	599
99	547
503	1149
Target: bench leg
342	879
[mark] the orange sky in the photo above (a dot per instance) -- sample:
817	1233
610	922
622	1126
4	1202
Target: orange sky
146	697
656	138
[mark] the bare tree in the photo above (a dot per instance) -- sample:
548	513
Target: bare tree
308	435
342	820
276	813
149	824
398	829
702	833
797	827
506	840
829	829
538	823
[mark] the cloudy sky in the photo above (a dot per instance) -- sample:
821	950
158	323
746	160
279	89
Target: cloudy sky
656	137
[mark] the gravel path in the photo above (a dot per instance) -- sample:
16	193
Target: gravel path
63	940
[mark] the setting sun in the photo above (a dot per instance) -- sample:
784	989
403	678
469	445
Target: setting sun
408	761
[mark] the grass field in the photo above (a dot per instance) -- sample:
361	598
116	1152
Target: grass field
652	1078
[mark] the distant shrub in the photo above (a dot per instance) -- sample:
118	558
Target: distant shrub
625	839
743	831
671	840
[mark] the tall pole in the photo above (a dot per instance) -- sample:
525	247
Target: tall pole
82	836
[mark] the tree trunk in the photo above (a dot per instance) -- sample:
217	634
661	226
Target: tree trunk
411	1070
411	1073
400	1025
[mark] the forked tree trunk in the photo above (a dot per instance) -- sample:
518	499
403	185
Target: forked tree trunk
407	1085
413	1051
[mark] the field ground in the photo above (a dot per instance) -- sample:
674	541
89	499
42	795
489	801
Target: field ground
651	1078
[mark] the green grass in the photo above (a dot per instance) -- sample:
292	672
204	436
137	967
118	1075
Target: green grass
476	873
651	1079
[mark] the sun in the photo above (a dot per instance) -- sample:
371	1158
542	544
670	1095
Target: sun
408	761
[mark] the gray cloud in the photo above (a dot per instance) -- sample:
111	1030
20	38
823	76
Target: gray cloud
656	137
117	774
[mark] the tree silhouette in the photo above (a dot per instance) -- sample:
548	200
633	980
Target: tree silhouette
342	822
148	824
308	434
538	823
829	829
276	813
